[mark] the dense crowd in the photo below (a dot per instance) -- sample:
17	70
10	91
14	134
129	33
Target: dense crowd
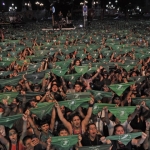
80	89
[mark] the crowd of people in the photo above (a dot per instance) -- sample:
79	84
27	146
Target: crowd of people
66	90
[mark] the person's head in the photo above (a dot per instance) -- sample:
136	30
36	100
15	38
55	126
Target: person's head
63	131
33	103
58	97
77	62
44	125
27	141
78	87
15	103
119	130
12	134
62	108
36	88
54	88
91	129
117	100
76	121
18	87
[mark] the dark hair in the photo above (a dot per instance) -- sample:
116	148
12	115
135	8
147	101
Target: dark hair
42	122
115	128
78	83
88	126
58	97
61	128
74	115
25	139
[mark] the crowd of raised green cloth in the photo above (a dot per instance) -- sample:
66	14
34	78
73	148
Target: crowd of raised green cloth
52	53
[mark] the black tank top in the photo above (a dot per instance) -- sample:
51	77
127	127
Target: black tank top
116	146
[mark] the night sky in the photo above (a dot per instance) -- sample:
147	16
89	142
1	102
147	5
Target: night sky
63	5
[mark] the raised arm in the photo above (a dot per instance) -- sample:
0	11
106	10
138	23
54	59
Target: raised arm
4	141
53	117
64	121
88	116
24	127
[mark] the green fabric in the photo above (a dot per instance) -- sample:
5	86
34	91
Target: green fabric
42	109
11	81
137	79
9	120
5	73
59	72
120	88
124	138
98	95
99	147
138	101
64	142
72	77
74	103
63	64
122	112
33	67
78	95
8	59
127	67
91	70
35	77
8	95
81	69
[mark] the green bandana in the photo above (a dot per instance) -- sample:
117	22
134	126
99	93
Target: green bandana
78	95
99	147
42	109
138	101
125	138
73	104
127	67
64	142
35	77
4	73
120	88
137	79
5	63
59	72
91	70
98	95
81	69
72	77
9	120
122	113
8	95
63	64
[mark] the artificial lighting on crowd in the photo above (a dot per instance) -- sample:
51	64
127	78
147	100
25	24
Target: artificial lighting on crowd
3	4
37	3
12	4
41	4
25	4
81	3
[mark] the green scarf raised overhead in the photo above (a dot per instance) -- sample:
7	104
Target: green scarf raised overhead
98	95
42	109
125	138
9	120
138	101
8	95
122	113
73	104
120	88
59	72
35	77
63	64
64	142
72	77
81	69
99	147
127	67
78	95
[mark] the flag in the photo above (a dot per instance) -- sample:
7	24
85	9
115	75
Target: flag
120	88
59	72
74	103
64	142
42	109
81	69
137	79
124	138
138	100
78	95
122	113
4	73
98	95
91	70
9	120
72	77
5	63
99	147
63	64
8	95
127	67
35	77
